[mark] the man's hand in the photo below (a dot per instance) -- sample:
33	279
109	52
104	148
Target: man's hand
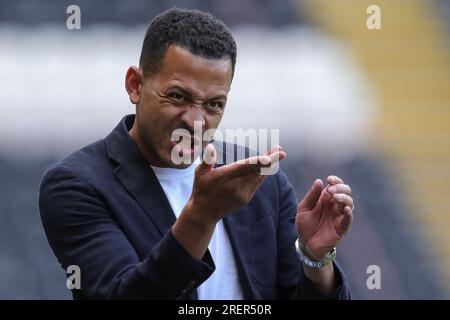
216	193
219	191
324	216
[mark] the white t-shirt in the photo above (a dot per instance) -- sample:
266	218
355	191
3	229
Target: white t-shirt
223	284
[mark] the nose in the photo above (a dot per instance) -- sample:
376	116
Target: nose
192	115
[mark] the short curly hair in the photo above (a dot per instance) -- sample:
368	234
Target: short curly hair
199	32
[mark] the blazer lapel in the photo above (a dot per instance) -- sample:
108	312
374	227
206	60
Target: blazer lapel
137	176
238	229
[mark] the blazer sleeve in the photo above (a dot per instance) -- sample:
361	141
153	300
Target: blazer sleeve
81	232
292	281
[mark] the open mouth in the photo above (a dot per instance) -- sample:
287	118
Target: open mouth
186	146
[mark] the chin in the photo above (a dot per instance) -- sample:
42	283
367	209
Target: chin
182	165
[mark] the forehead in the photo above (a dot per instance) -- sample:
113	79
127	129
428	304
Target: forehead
181	66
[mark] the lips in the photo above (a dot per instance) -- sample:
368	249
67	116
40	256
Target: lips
186	145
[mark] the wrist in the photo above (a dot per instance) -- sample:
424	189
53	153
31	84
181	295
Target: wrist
193	232
313	253
199	215
314	261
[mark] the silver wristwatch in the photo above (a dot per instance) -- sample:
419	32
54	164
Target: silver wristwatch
331	256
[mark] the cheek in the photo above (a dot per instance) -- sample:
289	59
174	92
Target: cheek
212	121
151	112
160	123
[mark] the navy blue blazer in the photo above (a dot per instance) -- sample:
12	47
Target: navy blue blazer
104	210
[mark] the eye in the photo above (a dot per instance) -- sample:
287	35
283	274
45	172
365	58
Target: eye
176	97
216	105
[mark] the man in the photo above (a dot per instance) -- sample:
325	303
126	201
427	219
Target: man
141	226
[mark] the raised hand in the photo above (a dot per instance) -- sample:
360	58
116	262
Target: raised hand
324	216
219	191
216	193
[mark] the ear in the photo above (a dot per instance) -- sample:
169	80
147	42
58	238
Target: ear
134	79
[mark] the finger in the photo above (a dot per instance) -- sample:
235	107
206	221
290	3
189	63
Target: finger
259	160
343	199
313	195
334	180
249	165
209	159
271	157
340	188
241	167
274	165
274	149
268	166
346	220
275	157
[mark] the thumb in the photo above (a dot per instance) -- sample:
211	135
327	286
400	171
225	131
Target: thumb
209	159
313	195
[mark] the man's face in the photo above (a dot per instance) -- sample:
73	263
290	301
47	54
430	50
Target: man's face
187	89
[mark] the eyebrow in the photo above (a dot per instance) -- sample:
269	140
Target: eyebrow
186	92
219	97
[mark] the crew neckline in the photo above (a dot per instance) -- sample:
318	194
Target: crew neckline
170	172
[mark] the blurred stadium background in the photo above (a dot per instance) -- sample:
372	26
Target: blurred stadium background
372	106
